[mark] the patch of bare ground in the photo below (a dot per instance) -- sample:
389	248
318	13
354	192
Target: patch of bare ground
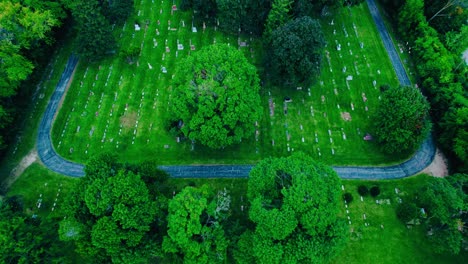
128	119
438	167
27	160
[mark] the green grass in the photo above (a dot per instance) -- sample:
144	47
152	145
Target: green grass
394	243
118	107
37	183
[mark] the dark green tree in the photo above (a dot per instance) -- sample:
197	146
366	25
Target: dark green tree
295	202
26	239
112	215
94	38
195	231
443	205
277	17
455	131
216	96
446	15
401	121
296	51
117	11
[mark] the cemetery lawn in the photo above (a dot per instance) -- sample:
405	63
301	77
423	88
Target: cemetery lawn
39	184
394	243
119	107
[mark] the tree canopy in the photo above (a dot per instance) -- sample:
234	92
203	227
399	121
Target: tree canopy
195	228
112	214
295	203
296	51
216	96
401	121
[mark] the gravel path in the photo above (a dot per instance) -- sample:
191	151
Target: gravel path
422	158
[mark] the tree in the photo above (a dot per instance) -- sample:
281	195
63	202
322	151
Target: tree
454	134
296	51
295	202
410	16
216	97
195	228
315	7
112	215
401	121
95	38
26	239
442	204
277	17
446	15
117	11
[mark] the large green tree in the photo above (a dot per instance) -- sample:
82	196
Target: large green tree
277	17
95	38
112	215
401	121
295	202
296	51
216	96
443	204
195	231
26	239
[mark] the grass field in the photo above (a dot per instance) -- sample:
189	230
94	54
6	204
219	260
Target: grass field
40	185
118	107
394	243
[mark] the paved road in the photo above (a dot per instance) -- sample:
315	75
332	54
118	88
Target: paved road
45	149
417	163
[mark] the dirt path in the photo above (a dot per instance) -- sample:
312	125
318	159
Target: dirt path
438	167
27	160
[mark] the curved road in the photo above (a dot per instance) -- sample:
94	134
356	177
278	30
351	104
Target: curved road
422	158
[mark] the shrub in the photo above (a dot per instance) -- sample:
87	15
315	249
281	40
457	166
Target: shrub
374	191
363	190
348	197
406	212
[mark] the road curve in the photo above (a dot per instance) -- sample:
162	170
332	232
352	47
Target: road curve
45	150
421	159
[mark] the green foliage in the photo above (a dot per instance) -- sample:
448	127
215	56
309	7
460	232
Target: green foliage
95	38
216	97
294	205
443	204
26	239
455	133
409	18
446	15
117	11
130	53
314	8
277	17
296	51
111	214
407	211
401	121
195	229
374	191
348	197
363	190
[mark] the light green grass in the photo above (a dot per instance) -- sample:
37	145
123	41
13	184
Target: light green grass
117	107
386	239
38	183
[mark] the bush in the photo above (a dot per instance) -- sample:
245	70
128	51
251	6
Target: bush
363	190
374	191
406	212
348	197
